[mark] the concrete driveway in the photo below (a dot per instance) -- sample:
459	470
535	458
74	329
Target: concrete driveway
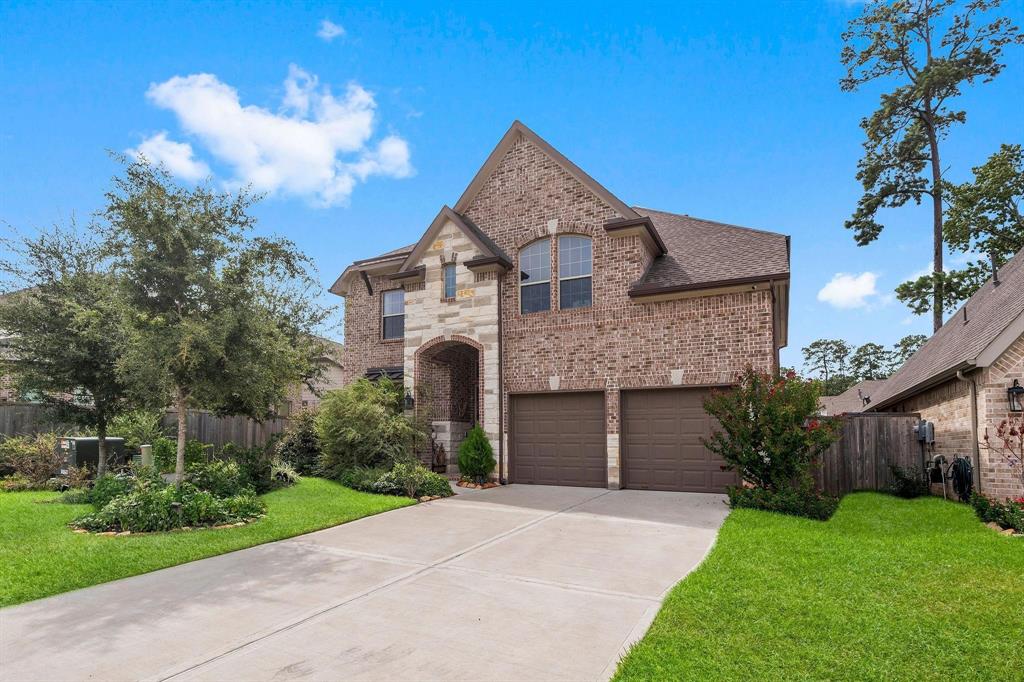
515	583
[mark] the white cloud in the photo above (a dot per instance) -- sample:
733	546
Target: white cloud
177	157
329	30
317	147
849	291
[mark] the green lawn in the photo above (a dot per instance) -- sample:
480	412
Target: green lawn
887	589
40	555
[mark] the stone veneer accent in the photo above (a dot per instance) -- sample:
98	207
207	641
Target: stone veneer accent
471	318
614	345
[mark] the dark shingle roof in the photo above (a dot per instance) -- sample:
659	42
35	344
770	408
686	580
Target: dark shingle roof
850	399
957	344
394	252
704	252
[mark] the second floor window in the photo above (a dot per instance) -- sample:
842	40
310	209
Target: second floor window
535	277
449	280
393	313
575	270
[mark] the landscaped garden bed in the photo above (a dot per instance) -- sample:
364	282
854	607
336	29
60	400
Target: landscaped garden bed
41	556
886	589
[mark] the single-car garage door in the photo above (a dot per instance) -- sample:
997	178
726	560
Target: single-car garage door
661	446
559	439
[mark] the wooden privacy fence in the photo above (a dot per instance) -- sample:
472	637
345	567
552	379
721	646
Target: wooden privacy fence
869	444
209	428
18	419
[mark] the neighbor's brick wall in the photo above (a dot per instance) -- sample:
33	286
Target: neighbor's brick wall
616	343
364	347
949	407
999	478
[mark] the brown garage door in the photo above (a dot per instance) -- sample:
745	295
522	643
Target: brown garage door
559	439
661	432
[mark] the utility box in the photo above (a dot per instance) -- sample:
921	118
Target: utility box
78	452
925	431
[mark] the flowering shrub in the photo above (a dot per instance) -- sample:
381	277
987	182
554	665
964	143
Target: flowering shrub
1008	514
769	431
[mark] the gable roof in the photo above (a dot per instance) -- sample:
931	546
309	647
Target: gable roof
690	253
975	336
483	243
518	131
850	400
703	252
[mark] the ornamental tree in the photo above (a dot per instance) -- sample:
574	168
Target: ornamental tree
1007	445
768	429
216	319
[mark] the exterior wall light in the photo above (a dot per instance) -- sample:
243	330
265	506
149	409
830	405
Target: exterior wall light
410	402
1015	394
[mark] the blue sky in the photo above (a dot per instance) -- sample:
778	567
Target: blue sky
361	128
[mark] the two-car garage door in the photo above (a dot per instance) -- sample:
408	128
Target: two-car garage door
559	439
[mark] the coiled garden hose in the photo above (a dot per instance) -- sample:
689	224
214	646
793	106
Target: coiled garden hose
962	474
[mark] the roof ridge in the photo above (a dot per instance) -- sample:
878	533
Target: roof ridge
706	220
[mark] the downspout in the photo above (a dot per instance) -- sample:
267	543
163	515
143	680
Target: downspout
501	392
975	447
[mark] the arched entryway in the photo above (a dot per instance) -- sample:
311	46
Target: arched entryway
448	396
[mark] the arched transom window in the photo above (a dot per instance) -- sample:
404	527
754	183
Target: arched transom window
575	270
535	277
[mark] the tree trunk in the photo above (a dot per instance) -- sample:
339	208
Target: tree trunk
101	446
180	406
937	291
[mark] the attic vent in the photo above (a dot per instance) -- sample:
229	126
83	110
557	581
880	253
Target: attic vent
965	313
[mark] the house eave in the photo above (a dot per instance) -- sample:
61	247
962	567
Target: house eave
661	293
921	386
642	227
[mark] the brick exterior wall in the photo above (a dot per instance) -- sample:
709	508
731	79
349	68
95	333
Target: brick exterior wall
948	405
614	344
364	347
999	478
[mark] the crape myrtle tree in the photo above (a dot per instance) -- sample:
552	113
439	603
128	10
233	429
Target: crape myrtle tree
768	429
929	51
218	319
63	328
984	219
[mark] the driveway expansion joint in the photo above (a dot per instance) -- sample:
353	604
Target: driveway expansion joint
387	584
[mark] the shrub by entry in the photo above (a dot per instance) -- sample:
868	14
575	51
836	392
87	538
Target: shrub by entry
476	457
362	425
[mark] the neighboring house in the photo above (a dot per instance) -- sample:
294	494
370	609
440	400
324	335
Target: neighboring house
857	398
305	398
959	378
581	333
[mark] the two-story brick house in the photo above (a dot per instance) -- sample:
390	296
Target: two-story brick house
581	333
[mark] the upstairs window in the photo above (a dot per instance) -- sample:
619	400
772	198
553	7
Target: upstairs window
393	314
535	277
449	280
575	270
